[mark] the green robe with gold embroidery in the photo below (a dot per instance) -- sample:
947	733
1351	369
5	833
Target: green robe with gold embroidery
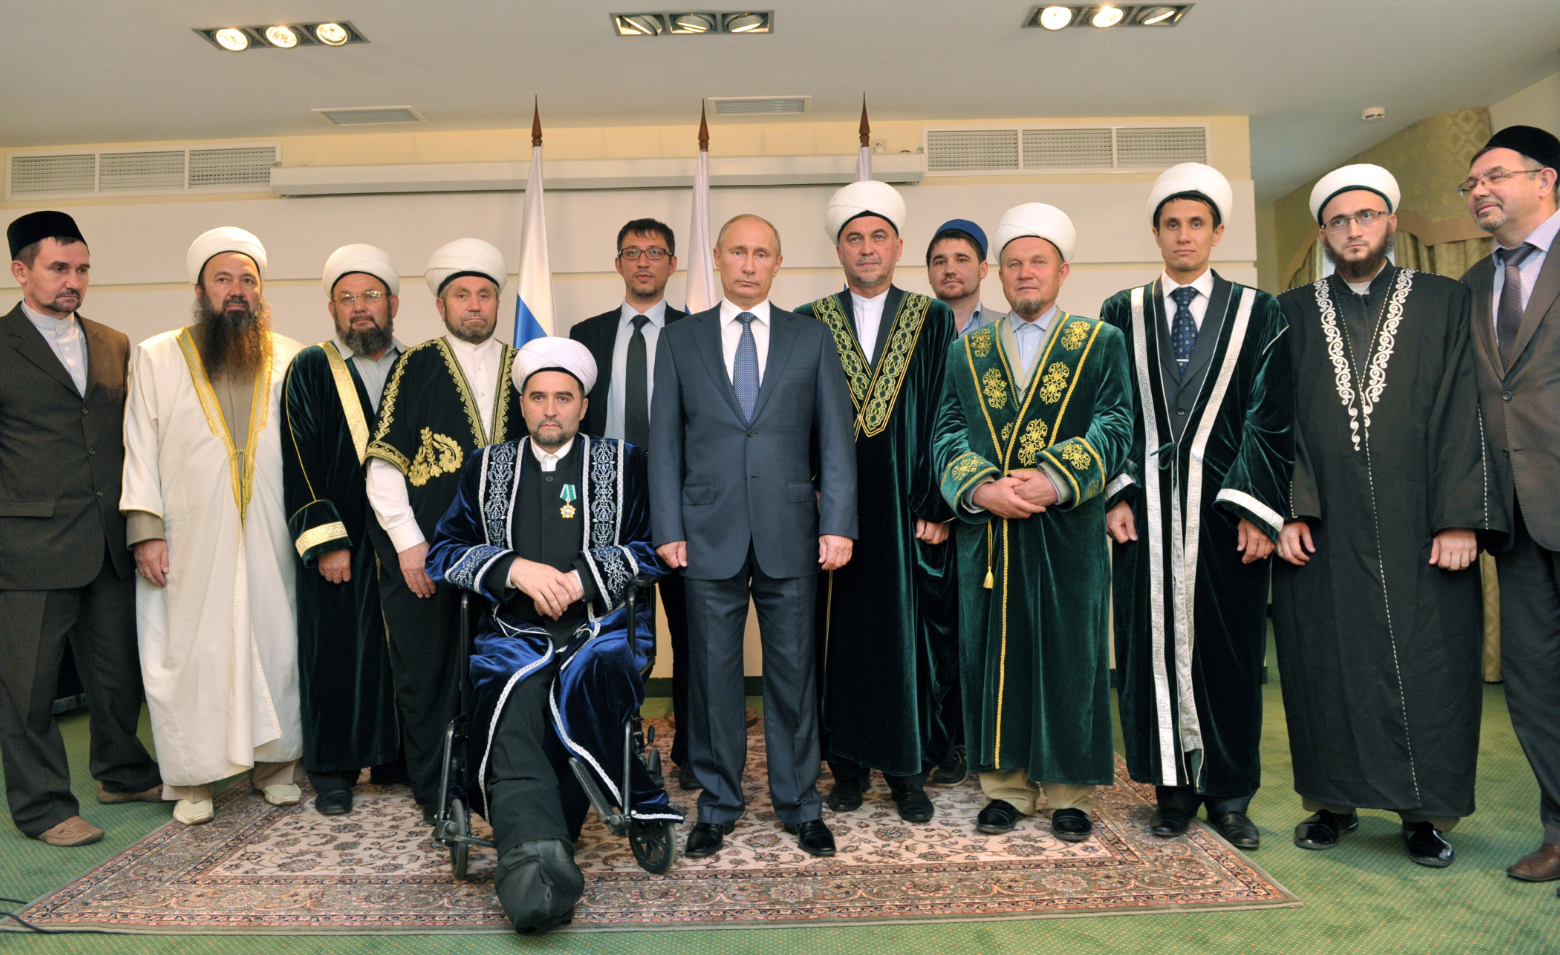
1034	593
887	630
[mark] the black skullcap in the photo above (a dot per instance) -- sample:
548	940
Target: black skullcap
37	226
1539	145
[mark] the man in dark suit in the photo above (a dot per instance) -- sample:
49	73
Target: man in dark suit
744	393
1511	193
65	572
623	342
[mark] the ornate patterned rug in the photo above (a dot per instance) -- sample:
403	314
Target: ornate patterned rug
261	870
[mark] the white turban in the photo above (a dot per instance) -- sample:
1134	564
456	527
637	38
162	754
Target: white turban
1348	178
217	241
866	197
553	354
1039	220
358	257
466	256
1196	177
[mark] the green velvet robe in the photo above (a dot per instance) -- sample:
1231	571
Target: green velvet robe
887	628
347	695
1191	618
1033	592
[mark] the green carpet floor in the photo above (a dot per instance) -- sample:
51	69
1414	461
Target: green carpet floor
1364	896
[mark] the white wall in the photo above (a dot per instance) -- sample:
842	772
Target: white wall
1538	105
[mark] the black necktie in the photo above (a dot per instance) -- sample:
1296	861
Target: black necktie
1508	320
636	388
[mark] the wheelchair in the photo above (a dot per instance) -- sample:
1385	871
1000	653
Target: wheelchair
654	843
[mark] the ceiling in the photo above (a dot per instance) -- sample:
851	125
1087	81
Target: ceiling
77	71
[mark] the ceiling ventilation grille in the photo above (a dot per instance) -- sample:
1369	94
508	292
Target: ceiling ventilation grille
729	106
142	172
370	115
1009	149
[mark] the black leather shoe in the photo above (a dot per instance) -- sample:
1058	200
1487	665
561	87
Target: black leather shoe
706	838
1071	825
914	805
813	836
846	795
1238	830
998	817
427	814
1426	845
334	802
1169	822
686	780
1324	829
956	772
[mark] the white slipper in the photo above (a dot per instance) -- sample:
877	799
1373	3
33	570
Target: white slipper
283	794
193	812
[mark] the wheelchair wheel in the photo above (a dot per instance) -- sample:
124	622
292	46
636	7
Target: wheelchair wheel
459	825
654	845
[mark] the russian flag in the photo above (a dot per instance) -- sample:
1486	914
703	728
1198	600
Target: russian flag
534	303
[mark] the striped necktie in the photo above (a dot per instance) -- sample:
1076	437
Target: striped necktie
1508	319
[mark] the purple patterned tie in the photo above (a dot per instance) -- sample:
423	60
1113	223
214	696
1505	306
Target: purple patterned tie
1508	319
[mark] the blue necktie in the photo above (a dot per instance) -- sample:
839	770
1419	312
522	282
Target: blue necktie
744	369
1183	331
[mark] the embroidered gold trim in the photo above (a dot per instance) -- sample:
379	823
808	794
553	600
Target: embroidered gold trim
467	396
346	390
438	455
1073	337
875	394
1055	380
852	359
994	387
1032	441
315	536
259	406
1076	456
980	341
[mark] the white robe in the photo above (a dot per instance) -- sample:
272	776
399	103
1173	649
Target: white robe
219	645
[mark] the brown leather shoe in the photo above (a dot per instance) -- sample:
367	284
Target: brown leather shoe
150	795
74	831
1540	866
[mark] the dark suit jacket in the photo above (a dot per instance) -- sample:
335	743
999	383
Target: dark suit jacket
720	483
62	458
1522	405
599	334
1184	386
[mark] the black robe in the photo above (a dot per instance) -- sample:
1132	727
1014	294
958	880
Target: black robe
347	695
889	639
1379	651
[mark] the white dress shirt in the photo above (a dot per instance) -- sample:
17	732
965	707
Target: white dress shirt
66	340
1199	303
1541	239
731	333
868	314
652	332
549	459
387	494
374	373
1030	335
1363	288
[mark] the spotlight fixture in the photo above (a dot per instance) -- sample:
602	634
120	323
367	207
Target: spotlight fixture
749	22
231	39
639	24
281	37
332	34
1104	16
693	24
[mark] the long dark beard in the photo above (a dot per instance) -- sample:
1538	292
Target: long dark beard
369	341
232	343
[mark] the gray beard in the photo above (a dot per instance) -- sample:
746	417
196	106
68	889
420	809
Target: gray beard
1029	307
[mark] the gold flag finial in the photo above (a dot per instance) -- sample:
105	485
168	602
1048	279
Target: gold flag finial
536	123
704	131
866	128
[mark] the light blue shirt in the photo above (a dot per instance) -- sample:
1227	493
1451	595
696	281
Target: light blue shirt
980	318
66	340
615	390
373	372
1541	239
1030	335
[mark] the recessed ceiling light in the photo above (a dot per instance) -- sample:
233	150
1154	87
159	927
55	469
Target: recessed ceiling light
332	34
1154	16
281	37
747	23
1106	17
693	22
1055	18
638	24
232	39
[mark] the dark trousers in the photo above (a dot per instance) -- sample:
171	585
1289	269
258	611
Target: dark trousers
424	644
1187	799
717	744
850	769
1530	661
383	774
532	795
99	622
675	601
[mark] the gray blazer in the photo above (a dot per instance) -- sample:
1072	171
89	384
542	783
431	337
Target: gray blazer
1522	406
718	482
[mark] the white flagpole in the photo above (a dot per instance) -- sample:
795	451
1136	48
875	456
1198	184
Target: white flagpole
534	316
700	294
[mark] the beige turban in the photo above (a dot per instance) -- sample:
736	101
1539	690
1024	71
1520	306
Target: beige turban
465	257
1193	177
367	259
866	197
218	241
552	353
1039	220
1348	178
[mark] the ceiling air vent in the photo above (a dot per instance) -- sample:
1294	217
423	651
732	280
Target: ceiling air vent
950	150
1067	149
1161	146
370	115
729	106
53	175
137	171
966	150
232	166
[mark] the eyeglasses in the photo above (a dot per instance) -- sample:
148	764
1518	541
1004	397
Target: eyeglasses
371	296
632	255
1365	217
1491	179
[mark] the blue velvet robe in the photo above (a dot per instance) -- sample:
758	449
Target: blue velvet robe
599	680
